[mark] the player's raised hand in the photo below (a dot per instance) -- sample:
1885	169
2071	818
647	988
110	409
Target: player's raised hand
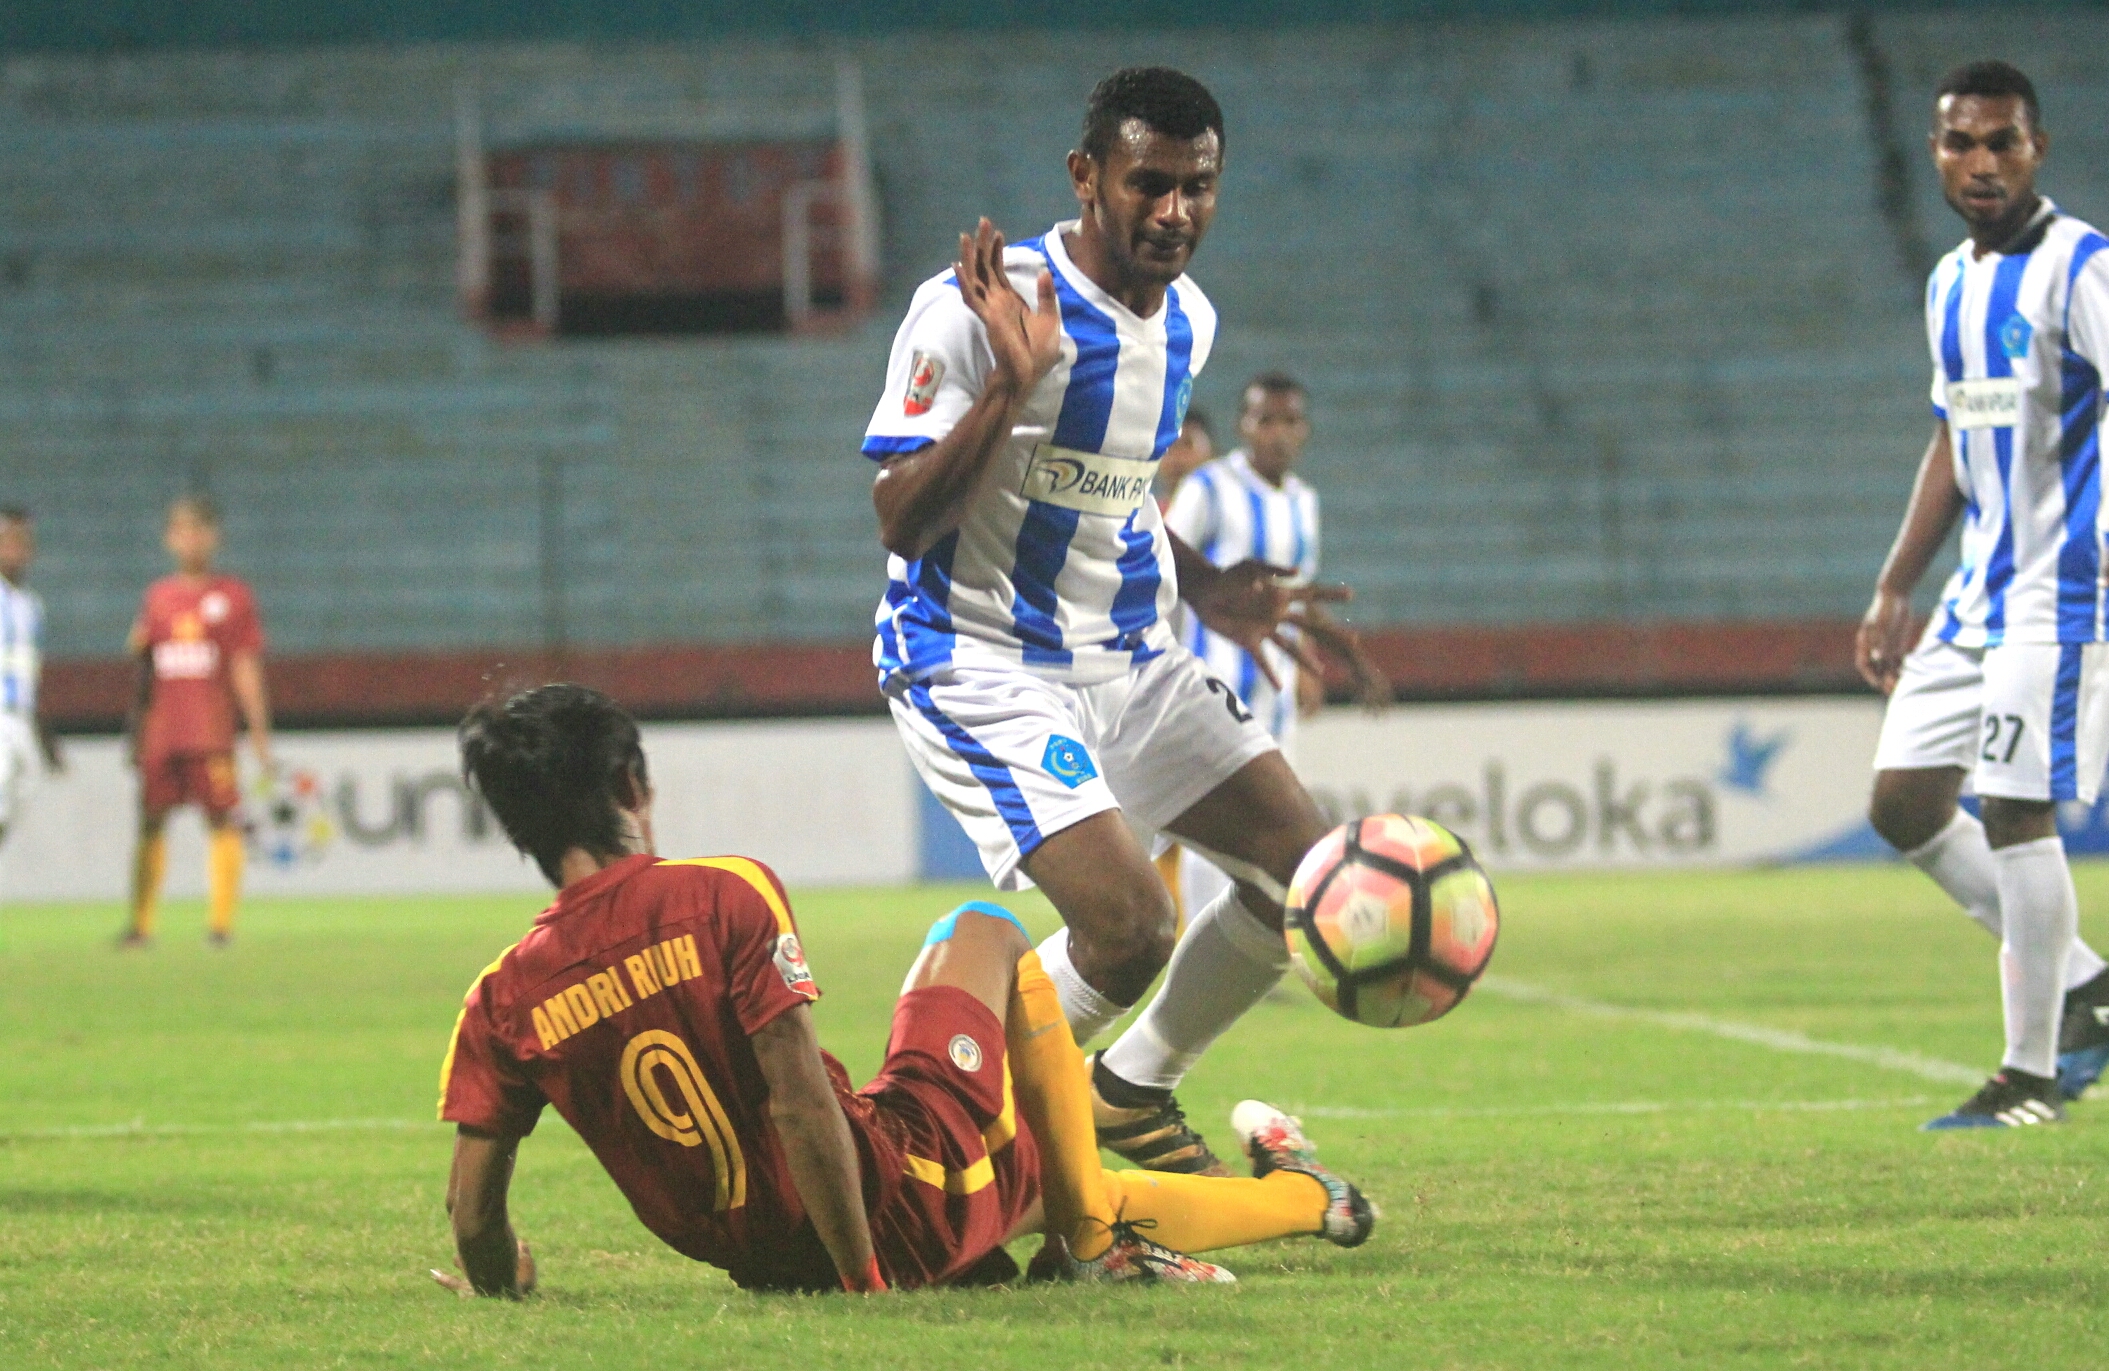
1025	340
1884	638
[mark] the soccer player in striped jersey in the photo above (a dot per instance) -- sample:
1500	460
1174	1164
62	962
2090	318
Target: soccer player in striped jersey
24	736
665	1009
2008	687
1023	641
1250	503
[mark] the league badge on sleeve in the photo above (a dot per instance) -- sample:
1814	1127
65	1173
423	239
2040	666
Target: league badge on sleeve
791	965
924	373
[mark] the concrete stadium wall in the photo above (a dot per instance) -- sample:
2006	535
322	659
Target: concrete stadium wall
1601	319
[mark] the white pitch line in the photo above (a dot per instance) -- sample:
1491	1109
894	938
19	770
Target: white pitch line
1324	1111
1757	1035
139	1128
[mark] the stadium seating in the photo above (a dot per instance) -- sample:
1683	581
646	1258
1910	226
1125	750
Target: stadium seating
1561	368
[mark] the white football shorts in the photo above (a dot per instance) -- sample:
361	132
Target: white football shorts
18	765
1017	758
2028	721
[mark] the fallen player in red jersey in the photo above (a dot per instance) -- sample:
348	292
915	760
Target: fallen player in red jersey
663	1007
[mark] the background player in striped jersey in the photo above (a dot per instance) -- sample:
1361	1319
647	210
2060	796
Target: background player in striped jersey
1251	504
201	659
1023	640
24	736
2009	685
663	1008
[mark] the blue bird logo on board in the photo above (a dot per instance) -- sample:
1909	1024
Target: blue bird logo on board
1750	758
1067	761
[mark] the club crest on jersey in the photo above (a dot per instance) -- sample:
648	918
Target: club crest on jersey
965	1052
791	965
1182	403
1067	761
924	372
2014	336
213	608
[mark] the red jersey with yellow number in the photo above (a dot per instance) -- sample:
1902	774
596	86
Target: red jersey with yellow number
630	1007
193	630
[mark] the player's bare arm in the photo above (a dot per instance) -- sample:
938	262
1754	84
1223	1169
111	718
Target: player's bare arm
142	691
1885	629
246	673
921	496
817	1145
493	1259
1249	603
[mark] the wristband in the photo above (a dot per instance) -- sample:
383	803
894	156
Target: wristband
869	1282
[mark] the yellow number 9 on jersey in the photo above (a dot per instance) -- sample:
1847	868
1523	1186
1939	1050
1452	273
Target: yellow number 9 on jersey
702	1121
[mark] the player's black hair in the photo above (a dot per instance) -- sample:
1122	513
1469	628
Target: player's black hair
1198	417
197	506
556	764
1272	383
1166	101
14	514
1992	78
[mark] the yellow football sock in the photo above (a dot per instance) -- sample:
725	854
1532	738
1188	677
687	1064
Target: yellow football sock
149	864
1168	869
223	864
1201	1213
1053	1093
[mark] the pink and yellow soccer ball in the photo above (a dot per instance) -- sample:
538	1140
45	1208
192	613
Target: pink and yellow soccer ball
1390	920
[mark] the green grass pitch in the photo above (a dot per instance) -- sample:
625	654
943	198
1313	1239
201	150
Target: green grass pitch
227	1160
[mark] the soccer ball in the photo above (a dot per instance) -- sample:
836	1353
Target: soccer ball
1390	920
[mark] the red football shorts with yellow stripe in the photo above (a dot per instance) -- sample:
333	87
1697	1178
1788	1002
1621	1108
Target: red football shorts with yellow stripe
205	779
942	1104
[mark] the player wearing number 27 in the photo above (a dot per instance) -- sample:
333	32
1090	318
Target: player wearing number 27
2009	684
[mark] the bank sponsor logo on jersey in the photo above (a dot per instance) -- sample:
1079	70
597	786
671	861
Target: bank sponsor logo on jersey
1089	482
1068	761
965	1052
1993	402
689	1114
213	608
791	965
924	373
2014	336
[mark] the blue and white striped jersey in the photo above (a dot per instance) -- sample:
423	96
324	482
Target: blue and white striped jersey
2019	344
1228	512
21	648
1061	565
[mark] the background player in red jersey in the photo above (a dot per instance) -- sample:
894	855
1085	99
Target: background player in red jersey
201	657
663	1008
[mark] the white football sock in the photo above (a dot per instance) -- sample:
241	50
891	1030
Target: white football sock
1089	1013
1225	964
1960	862
2041	913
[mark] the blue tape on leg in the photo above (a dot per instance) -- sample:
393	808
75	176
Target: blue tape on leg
942	929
